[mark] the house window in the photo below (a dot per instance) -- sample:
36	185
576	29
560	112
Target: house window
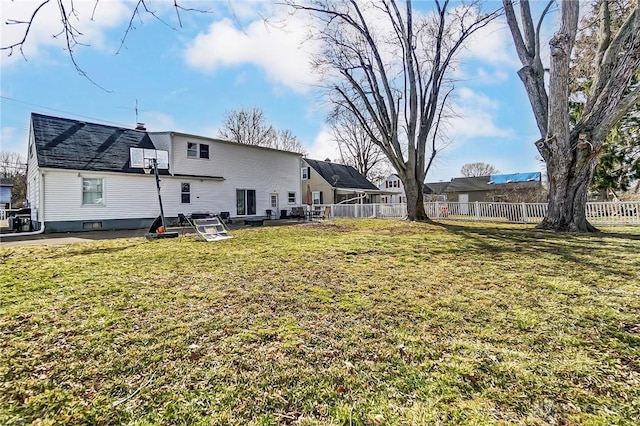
197	150
304	173
317	197
192	150
245	202
92	191
204	150
185	193
291	199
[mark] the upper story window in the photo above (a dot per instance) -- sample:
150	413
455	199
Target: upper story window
304	173
204	150
192	150
197	150
92	191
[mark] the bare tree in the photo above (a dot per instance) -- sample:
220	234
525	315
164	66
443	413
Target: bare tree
356	147
571	152
248	126
391	67
14	167
68	29
287	141
478	169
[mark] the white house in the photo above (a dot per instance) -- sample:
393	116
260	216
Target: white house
394	186
80	178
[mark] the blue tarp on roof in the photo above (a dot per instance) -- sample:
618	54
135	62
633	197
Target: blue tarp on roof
516	177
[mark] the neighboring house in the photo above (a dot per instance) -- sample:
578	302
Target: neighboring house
394	188
79	176
435	191
6	186
517	187
324	182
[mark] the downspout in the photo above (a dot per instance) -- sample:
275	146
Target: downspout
40	211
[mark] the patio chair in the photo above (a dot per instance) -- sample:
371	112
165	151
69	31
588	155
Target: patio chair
326	213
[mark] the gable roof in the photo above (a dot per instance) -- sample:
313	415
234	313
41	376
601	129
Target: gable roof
348	177
476	183
435	187
487	183
64	143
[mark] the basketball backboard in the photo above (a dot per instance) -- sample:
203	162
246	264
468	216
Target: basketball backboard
140	158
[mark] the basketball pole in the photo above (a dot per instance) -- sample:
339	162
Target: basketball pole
155	172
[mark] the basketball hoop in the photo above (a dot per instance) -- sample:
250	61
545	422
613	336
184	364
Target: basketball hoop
148	165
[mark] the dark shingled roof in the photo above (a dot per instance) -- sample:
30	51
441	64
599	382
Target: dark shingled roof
348	177
435	187
477	183
64	143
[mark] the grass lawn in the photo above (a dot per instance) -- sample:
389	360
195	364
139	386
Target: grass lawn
337	323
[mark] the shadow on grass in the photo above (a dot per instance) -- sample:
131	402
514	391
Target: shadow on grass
581	247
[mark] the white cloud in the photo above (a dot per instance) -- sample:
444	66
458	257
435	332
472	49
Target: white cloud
323	147
474	117
280	51
488	77
156	121
493	45
47	23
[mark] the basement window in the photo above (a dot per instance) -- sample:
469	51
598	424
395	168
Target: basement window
91	225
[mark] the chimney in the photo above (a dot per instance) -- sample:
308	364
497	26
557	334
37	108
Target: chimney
140	126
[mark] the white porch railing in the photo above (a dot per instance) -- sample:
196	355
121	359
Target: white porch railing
598	213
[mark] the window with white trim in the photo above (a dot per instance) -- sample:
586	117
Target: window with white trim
92	191
204	150
317	197
192	150
185	193
197	150
291	198
304	173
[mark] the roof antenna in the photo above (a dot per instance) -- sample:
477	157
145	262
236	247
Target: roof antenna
136	110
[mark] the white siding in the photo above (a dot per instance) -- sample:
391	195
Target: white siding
242	167
125	196
132	196
393	183
33	181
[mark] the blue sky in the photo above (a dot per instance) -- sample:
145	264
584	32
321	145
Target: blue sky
184	79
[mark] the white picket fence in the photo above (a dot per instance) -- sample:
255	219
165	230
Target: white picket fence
612	213
598	213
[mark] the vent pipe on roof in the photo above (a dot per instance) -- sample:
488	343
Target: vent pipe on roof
140	126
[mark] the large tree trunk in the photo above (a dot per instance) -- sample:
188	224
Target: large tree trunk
571	154
569	176
415	199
